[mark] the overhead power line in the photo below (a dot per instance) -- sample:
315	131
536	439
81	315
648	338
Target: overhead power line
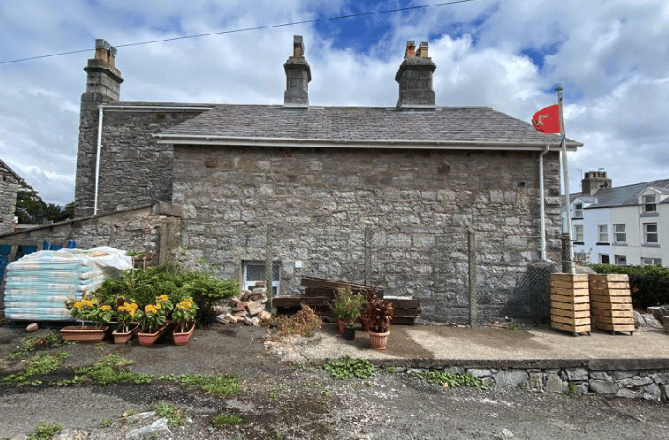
233	31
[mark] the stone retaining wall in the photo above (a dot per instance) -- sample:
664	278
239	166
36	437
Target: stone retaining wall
635	384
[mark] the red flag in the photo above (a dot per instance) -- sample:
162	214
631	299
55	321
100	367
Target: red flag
547	120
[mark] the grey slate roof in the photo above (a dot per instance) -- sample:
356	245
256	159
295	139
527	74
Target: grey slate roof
4	167
362	124
622	195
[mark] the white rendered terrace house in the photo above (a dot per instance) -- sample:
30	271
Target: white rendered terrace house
627	225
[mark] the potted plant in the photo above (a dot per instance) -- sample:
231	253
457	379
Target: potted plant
87	309
153	321
346	308
184	316
377	316
127	327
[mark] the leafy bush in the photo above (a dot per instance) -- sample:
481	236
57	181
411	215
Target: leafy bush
347	305
650	284
451	379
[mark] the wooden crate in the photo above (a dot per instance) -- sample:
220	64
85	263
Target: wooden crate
611	302
570	303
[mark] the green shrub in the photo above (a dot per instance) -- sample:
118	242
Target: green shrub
650	284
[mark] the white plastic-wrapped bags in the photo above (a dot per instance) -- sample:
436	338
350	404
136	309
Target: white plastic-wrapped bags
39	283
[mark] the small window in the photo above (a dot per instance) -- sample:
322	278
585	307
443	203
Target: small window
621	260
649	204
578	210
620	234
603	233
651	261
604	258
578	233
650	232
255	271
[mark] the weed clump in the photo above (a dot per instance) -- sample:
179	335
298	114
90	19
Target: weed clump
346	368
226	419
451	379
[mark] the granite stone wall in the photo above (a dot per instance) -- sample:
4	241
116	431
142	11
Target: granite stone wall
410	222
134	168
9	186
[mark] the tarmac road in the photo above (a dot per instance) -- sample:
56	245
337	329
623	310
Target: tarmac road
280	402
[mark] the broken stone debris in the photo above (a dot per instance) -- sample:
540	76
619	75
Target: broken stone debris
248	308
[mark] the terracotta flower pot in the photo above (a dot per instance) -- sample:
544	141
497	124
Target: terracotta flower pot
121	337
147	339
379	341
340	326
182	338
83	334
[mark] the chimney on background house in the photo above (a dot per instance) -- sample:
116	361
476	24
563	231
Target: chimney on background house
103	76
594	181
415	78
298	75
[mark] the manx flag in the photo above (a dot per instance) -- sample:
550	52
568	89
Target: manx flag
547	120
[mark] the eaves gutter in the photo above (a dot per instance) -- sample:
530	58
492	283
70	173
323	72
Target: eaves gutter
344	143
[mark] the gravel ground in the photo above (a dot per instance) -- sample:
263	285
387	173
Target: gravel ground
281	401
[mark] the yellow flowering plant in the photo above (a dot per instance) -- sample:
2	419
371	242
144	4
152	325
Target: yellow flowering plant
87	308
125	314
154	315
184	313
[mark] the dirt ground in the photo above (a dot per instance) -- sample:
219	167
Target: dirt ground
283	400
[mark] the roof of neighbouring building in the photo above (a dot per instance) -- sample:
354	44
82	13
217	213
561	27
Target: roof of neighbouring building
467	127
6	168
623	195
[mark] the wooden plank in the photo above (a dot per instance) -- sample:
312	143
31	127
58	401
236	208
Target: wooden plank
571	328
574	314
570	321
615	327
569	277
570	299
570	292
620	292
297	301
570	306
610	306
611	299
613	313
609	277
565	285
614	320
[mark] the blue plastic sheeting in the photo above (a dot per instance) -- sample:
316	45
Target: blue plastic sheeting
39	284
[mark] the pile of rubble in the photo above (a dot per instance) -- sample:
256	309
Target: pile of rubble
248	308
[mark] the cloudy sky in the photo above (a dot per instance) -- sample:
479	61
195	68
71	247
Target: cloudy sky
611	56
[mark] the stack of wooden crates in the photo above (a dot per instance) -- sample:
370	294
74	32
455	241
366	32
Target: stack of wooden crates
570	303
611	302
574	298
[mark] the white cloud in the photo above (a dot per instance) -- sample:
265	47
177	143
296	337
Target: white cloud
611	57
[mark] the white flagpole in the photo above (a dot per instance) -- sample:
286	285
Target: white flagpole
565	176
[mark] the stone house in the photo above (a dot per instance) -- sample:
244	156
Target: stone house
9	186
442	203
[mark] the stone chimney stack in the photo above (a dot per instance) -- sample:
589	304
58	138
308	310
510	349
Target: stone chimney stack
415	78
298	75
103	76
594	181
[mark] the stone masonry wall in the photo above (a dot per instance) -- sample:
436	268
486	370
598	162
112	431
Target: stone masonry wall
9	186
647	384
134	169
151	229
397	219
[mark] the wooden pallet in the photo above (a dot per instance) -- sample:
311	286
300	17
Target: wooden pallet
570	303
611	302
